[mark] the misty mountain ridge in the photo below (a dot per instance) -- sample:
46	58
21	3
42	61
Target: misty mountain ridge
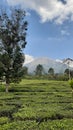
59	66
69	62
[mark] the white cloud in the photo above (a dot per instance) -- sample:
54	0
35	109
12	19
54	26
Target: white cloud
28	14
49	10
65	32
57	60
28	59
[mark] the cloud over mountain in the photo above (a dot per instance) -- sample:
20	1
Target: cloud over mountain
28	59
59	66
49	10
46	63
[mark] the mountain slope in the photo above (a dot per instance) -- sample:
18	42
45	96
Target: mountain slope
46	63
68	62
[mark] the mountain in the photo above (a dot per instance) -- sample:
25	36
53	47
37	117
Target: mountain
68	62
59	67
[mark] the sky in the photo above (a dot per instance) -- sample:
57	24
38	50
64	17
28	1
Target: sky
50	27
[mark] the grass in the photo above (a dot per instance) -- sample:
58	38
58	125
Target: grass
37	105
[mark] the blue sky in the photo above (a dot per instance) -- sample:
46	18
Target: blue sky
50	27
49	39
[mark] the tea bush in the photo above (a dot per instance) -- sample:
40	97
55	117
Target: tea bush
37	105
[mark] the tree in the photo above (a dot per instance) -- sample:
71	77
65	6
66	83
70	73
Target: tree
1	70
66	71
39	70
25	71
12	42
69	73
51	71
71	85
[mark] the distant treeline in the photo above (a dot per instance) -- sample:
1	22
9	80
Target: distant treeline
40	73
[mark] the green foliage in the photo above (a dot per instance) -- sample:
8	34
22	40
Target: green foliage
69	73
1	70
37	105
66	71
64	124
4	120
61	77
12	42
71	83
39	70
51	71
25	71
20	125
58	77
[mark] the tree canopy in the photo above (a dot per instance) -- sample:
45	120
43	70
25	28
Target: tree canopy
39	70
51	71
13	28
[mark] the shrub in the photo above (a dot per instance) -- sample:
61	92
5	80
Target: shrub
71	83
4	120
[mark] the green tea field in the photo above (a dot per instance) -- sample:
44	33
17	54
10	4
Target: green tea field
37	105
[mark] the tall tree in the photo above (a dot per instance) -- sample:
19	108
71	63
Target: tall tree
51	71
25	71
39	70
12	42
1	70
68	72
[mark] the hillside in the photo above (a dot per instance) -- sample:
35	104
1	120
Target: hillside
68	62
37	105
59	67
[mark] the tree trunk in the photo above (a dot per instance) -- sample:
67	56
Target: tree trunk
7	87
72	93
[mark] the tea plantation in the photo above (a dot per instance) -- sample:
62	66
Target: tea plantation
36	105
